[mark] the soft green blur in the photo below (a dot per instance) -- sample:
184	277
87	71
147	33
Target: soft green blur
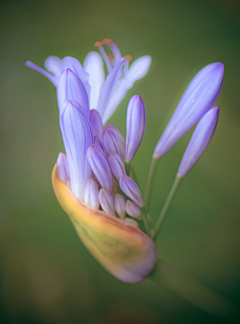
47	276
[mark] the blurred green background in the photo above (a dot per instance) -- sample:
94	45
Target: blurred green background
47	276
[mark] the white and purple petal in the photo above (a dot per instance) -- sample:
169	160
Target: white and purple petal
116	164
63	168
120	205
91	193
106	201
133	210
131	189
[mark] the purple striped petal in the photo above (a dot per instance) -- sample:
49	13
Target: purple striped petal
97	141
137	70
54	65
96	123
108	88
48	75
109	141
71	88
197	99
133	210
100	167
116	164
77	137
120	205
63	168
106	201
120	139
93	65
75	66
199	141
130	188
135	126
91	193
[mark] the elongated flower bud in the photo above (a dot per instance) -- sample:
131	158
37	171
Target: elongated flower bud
71	88
77	137
91	193
197	99
100	167
133	210
63	168
106	201
116	164
120	139
109	141
130	188
96	123
120	205
97	141
135	126
199	140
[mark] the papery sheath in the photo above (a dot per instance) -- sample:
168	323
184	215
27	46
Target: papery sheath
199	141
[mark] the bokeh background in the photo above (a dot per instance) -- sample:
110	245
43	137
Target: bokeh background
47	276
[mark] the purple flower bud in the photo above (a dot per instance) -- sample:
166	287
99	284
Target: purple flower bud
197	99
133	210
77	137
120	139
100	167
109	141
130	188
91	193
135	126
96	123
106	201
62	167
116	164
120	205
199	141
71	88
97	142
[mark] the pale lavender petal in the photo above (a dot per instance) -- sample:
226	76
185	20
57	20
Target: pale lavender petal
108	87
109	141
74	65
130	188
135	126
199	141
77	137
116	164
91	193
48	75
100	167
63	168
54	65
96	123
71	88
106	201
120	139
93	65
133	210
120	206
137	70
198	98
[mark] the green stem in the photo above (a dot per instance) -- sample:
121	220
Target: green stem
193	292
127	167
146	222
166	206
150	181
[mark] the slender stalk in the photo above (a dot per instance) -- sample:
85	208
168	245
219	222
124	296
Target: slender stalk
150	181
127	167
166	205
193	291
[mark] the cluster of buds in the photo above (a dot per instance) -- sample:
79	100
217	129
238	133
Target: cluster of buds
96	167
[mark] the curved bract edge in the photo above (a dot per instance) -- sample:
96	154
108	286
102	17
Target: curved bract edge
120	247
